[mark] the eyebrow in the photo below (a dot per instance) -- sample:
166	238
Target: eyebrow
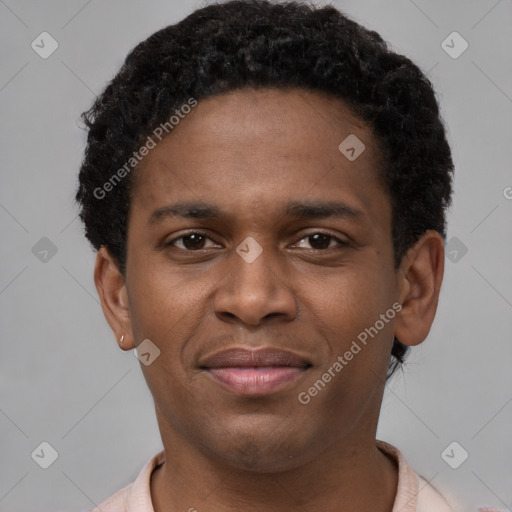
301	210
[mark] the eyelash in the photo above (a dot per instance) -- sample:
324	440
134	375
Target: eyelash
327	235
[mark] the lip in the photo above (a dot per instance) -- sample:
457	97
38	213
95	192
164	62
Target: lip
255	372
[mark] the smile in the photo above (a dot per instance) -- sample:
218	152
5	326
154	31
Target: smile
255	373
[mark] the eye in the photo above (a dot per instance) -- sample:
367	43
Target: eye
321	241
193	241
196	240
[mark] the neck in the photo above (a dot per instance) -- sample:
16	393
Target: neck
353	474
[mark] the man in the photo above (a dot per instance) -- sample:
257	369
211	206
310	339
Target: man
266	186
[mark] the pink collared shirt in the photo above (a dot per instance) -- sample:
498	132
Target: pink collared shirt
414	494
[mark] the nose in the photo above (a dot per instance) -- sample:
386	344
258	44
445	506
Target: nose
255	290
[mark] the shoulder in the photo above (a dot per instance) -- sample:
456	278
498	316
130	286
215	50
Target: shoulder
414	493
116	502
430	500
135	497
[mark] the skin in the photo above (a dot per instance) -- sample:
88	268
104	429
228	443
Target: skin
250	152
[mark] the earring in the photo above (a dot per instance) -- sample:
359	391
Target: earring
121	340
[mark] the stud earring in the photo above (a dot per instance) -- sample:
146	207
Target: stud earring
121	340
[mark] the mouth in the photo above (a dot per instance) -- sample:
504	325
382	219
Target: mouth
255	372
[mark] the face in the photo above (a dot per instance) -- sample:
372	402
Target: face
257	254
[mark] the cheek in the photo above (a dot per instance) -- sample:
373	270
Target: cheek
161	303
350	301
348	309
164	310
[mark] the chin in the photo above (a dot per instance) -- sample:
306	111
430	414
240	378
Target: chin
261	447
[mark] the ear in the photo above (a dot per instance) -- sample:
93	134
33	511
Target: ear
114	297
420	277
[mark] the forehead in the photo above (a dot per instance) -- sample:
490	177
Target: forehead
258	147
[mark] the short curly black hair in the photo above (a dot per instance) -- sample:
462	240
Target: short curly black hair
260	44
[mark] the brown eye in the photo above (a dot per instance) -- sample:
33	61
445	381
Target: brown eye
191	241
321	241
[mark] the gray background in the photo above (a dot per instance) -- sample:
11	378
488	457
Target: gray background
63	378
